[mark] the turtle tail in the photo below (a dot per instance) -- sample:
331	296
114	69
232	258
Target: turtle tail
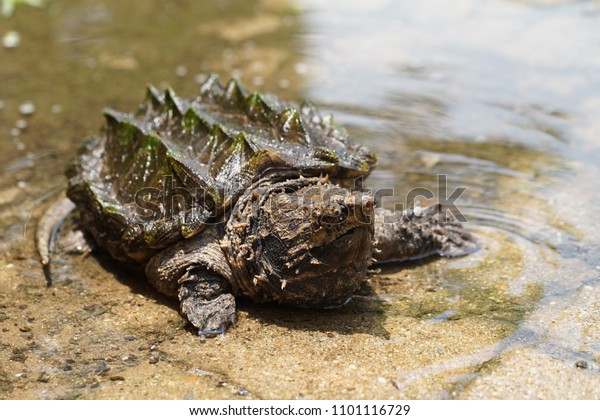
47	229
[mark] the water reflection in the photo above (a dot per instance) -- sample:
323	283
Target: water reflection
500	107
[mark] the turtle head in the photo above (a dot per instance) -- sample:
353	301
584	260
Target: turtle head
303	242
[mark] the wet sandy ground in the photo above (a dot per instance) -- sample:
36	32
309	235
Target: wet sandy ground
102	333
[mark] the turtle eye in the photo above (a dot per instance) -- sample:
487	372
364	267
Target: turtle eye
334	214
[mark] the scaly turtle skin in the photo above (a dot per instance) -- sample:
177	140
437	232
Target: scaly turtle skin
236	193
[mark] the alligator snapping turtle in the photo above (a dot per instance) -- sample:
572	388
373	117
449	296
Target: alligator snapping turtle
236	193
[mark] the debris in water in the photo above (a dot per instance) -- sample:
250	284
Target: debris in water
27	108
11	39
181	71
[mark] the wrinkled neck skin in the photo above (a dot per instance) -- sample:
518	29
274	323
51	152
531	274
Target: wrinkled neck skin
303	242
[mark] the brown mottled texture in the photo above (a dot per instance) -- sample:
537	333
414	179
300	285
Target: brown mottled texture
301	242
165	269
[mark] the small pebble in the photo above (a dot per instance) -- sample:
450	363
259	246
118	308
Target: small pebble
153	360
101	367
56	109
117	378
11	39
43	378
15	132
21	124
243	392
67	368
18	357
284	83
129	337
25	329
258	80
581	364
21	184
27	108
181	71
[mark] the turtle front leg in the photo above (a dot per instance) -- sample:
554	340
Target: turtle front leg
206	301
417	234
197	273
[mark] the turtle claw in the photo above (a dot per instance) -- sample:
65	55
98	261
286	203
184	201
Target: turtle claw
213	333
210	317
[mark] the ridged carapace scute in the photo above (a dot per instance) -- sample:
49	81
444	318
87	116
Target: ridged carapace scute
175	166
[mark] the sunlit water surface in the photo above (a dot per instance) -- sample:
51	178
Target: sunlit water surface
503	97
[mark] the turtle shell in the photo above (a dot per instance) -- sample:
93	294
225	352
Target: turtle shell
165	172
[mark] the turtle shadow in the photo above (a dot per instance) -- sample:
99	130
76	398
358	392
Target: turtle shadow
135	280
363	314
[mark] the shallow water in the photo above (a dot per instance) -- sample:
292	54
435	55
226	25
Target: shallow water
501	97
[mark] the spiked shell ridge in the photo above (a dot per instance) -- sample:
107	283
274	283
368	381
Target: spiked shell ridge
207	150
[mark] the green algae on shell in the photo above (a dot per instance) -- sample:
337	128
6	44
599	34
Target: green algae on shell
207	150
